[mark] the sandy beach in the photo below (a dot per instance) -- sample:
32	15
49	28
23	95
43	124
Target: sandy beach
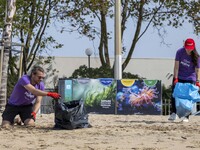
108	132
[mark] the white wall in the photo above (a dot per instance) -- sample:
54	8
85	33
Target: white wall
148	68
159	69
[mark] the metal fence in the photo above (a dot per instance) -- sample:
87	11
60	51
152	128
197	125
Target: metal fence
166	107
47	105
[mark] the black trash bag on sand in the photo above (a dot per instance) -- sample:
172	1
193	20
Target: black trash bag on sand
71	115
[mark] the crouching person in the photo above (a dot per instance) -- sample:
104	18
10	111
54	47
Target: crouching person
26	98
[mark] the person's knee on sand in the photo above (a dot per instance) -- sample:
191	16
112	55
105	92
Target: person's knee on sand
29	122
6	124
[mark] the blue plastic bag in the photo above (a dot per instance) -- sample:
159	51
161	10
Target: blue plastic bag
184	107
187	91
186	95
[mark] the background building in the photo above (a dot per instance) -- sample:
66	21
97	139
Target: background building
149	68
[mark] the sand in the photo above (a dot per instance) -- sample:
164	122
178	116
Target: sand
108	132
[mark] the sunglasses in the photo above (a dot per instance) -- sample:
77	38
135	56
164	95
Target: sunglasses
40	77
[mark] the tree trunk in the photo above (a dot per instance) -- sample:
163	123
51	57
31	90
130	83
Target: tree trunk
6	40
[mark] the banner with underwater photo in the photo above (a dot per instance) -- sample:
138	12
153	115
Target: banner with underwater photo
79	87
139	97
98	94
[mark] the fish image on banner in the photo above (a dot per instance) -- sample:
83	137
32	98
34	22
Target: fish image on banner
139	97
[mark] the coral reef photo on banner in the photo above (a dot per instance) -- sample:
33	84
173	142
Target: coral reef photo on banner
139	97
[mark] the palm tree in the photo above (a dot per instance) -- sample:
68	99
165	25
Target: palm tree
6	42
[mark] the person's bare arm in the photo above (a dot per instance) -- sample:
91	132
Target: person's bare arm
197	73
176	68
38	92
37	104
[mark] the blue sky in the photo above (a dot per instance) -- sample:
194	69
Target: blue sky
149	46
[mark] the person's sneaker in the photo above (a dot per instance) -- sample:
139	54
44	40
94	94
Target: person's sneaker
173	117
185	119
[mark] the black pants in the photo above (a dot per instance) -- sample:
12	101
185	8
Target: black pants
173	105
23	111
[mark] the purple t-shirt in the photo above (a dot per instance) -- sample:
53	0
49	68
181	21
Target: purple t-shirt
186	66
21	96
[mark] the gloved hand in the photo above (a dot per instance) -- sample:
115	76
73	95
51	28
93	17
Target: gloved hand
198	84
33	114
175	81
53	95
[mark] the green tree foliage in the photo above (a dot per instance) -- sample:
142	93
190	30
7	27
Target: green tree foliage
30	24
101	72
91	19
12	76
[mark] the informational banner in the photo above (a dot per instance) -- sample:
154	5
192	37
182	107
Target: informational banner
79	87
108	96
139	97
65	89
98	94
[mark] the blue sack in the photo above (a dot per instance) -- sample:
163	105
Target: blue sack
187	91
184	107
186	95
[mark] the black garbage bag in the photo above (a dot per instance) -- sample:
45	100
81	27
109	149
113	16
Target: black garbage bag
71	115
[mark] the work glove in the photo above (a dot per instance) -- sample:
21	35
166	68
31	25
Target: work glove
33	114
198	84
53	95
175	81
